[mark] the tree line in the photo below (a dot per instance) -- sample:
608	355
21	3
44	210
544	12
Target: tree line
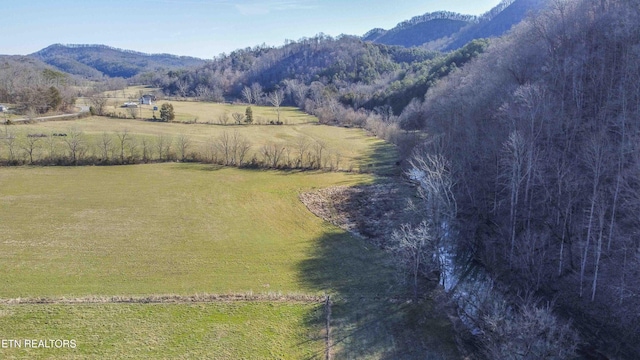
75	147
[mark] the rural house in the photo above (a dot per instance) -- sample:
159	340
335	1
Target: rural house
147	99
3	108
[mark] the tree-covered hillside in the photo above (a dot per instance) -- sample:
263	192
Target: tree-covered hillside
421	30
447	31
94	61
33	87
542	135
321	72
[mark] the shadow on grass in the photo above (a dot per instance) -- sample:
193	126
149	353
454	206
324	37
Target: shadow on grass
372	316
197	166
382	159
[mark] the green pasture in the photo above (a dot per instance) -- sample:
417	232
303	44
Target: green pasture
254	330
188	229
157	229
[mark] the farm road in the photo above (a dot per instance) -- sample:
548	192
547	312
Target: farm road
83	109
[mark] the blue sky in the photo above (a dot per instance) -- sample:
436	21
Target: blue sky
201	28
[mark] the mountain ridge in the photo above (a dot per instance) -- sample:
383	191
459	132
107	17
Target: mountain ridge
95	60
448	31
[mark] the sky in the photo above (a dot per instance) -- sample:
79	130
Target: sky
202	28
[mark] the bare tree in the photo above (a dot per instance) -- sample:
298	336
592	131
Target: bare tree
530	332
30	145
105	143
256	93
134	111
241	147
223	118
184	142
414	248
204	93
147	149
297	89
302	145
183	87
318	146
276	98
594	158
123	140
10	140
52	145
76	143
211	150
163	145
514	174
272	154
223	144
98	102
238	117
435	187
247	94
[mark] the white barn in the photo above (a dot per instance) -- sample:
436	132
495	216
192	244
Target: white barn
147	99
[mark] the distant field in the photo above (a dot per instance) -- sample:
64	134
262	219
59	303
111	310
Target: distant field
349	149
202	112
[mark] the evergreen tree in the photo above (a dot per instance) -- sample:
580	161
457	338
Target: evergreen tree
166	112
248	115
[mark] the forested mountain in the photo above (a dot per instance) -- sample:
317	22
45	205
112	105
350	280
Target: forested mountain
320	72
496	22
421	29
94	61
541	132
444	30
342	62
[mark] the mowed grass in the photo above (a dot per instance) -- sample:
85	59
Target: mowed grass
158	229
255	330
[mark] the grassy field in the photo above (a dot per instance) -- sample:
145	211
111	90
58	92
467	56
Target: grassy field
255	330
165	228
184	229
202	112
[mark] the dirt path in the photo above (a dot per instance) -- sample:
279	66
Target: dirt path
83	109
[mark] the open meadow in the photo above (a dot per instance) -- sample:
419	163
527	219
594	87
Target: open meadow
87	251
98	137
155	229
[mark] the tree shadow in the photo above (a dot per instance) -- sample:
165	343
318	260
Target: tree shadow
381	159
372	315
197	166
